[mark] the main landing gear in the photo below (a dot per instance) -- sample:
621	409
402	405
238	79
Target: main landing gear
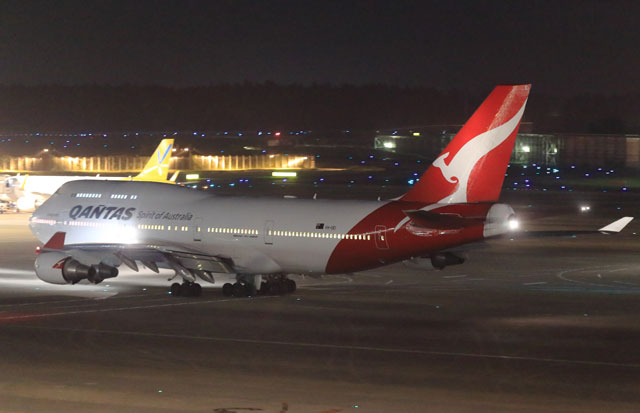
272	286
244	287
186	289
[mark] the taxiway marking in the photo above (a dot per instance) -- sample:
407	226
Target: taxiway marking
340	347
138	307
562	275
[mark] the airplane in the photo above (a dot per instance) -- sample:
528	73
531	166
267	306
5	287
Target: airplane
92	228
27	192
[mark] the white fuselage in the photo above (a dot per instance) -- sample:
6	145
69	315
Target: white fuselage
258	235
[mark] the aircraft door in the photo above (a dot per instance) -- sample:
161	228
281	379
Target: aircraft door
381	237
268	232
197	229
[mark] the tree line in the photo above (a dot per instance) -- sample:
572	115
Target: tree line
255	106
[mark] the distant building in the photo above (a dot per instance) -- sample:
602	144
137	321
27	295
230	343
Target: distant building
544	149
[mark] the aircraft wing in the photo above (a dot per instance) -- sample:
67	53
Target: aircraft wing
187	264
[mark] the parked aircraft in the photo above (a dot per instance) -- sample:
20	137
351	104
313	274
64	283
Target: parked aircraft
29	191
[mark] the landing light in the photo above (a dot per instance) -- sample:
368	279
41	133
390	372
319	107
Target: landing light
513	224
585	208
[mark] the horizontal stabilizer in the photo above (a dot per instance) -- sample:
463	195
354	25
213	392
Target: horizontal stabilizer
441	221
617	226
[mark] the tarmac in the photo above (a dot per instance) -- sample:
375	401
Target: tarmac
526	324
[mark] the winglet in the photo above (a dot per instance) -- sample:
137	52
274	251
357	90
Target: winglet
56	242
616	226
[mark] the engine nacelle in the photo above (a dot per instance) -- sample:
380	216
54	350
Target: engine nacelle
27	203
56	267
434	262
100	272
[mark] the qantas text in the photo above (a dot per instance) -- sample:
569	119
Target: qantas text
101	212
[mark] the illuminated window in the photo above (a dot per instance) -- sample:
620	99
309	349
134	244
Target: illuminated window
368	237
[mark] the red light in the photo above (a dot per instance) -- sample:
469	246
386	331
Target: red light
38	250
277	134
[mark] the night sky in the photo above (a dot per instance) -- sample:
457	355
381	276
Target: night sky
561	47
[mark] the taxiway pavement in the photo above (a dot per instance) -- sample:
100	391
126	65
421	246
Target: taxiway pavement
526	324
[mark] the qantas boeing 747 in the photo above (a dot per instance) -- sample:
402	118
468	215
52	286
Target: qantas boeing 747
91	228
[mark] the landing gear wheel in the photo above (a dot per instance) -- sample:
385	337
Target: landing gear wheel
251	290
176	290
239	290
290	285
197	290
274	288
187	290
227	289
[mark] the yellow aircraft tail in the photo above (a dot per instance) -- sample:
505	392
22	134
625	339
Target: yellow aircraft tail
157	168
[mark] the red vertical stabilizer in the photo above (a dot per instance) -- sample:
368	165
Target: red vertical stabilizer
472	167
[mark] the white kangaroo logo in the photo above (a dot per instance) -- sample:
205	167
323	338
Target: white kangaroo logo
459	169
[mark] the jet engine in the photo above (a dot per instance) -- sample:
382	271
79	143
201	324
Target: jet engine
435	261
27	203
58	268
